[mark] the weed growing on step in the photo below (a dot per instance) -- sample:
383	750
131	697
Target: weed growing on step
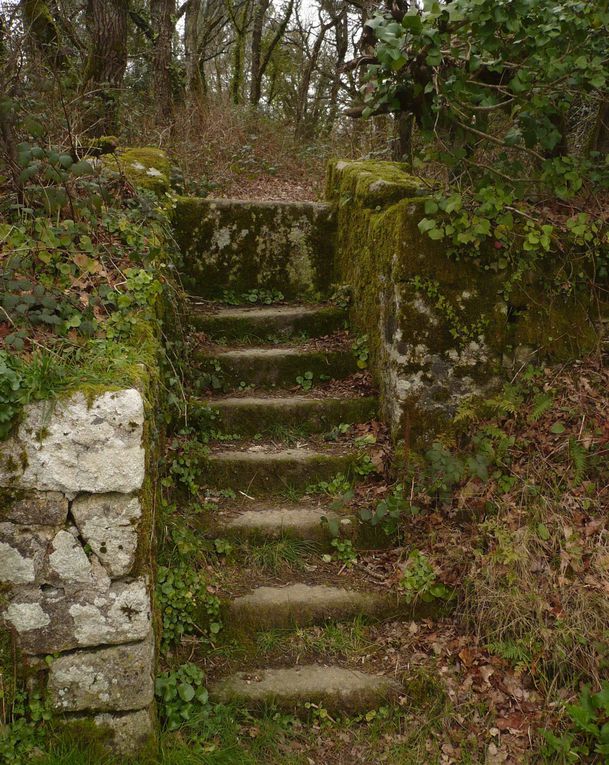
338	486
390	513
305	381
344	552
209	376
360	351
258	296
275	555
342	296
186	606
363	466
339	430
181	694
419	580
22	732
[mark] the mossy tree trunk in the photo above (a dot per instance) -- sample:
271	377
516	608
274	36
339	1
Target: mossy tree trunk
162	14
193	21
240	16
107	61
42	32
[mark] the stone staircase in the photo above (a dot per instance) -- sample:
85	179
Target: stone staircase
268	478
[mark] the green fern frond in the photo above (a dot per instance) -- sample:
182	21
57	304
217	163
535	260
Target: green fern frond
579	459
542	403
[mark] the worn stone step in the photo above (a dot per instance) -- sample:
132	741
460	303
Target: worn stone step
270	472
336	688
303	605
268	321
299	522
276	367
250	415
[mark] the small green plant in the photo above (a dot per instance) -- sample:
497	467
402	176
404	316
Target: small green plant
11	390
185	468
260	296
389	512
419	580
339	430
335	487
305	381
181	694
182	597
588	735
364	466
344	552
341	297
210	376
24	734
360	351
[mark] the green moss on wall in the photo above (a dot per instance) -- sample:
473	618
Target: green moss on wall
237	245
146	167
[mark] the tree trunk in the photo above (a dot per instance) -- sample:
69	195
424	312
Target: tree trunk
195	90
162	13
42	31
600	138
106	64
402	145
260	10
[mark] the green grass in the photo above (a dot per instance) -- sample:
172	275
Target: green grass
274	555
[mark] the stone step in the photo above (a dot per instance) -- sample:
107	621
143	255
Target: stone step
270	472
250	415
276	367
268	321
299	522
335	688
303	605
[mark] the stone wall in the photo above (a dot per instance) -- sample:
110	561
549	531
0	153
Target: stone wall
76	508
239	246
439	330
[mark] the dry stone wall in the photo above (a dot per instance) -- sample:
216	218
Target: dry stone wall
74	565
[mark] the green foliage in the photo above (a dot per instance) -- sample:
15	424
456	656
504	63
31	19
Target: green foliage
11	390
305	381
186	465
335	487
181	694
260	295
495	87
342	296
587	739
419	580
183	598
345	552
389	512
23	733
360	351
363	465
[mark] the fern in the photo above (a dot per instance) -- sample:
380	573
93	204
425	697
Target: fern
579	459
542	403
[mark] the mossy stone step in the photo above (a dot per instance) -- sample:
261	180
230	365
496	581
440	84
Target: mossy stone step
268	321
270	472
277	367
336	688
297	522
303	605
250	415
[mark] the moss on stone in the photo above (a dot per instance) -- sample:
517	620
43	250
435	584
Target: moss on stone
230	245
146	167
